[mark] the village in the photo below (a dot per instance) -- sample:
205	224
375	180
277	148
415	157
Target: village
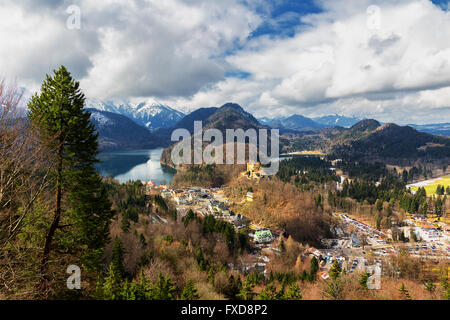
358	246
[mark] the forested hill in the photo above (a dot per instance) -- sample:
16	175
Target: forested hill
371	141
232	116
228	116
163	135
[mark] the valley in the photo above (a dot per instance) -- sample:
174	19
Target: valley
337	208
201	158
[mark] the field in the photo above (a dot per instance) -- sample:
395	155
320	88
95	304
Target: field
430	185
306	153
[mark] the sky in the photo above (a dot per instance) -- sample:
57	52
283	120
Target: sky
388	60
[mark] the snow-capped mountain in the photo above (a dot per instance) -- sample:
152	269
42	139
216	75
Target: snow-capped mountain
442	129
118	132
294	122
297	122
151	114
266	120
337	120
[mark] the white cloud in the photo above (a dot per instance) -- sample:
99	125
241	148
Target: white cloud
179	52
338	64
32	45
133	48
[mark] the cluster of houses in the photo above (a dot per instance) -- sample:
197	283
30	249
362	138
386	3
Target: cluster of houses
185	197
427	234
204	202
150	185
425	231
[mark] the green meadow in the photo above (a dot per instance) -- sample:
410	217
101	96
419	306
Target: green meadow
431	186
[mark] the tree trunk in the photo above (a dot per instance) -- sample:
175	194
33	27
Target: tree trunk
44	283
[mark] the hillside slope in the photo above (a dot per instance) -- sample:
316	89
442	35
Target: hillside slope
228	116
391	141
117	132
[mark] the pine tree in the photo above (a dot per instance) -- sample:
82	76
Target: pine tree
305	275
142	240
201	259
190	291
424	209
439	190
379	205
117	258
233	287
125	222
247	290
335	270
190	216
281	245
293	292
81	206
335	288
363	279
140	289
164	289
268	293
438	207
314	268
211	275
112	288
331	199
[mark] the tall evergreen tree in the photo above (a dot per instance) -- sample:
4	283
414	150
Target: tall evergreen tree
82	211
335	270
314	268
293	292
164	289
269	293
201	259
247	290
190	291
112	288
117	258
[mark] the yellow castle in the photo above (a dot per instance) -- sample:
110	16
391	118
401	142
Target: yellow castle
254	170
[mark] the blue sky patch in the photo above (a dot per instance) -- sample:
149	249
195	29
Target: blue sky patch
284	16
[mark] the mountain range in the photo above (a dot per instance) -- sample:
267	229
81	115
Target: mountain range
294	122
149	125
301	123
442	129
150	114
337	121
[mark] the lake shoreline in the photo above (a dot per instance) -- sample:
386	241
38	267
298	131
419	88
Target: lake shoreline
138	164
